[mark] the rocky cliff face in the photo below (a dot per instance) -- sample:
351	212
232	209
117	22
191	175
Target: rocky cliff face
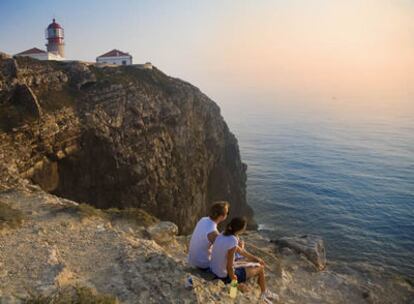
117	137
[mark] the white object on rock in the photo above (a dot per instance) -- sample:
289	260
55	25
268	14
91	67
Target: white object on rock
100	228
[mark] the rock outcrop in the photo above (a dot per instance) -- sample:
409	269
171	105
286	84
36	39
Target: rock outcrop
311	246
162	232
117	137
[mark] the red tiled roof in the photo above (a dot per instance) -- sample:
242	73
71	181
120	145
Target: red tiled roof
114	53
32	51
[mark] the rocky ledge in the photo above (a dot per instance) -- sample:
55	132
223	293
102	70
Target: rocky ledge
64	252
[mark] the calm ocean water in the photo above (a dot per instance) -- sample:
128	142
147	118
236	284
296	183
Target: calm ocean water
340	169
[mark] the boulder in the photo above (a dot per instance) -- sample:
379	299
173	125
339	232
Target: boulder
162	232
311	246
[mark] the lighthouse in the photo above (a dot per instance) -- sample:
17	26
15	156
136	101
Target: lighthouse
55	45
54	36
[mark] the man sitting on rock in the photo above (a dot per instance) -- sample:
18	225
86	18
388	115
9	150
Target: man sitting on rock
205	234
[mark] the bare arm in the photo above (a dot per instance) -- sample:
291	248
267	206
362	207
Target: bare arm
248	255
230	259
212	236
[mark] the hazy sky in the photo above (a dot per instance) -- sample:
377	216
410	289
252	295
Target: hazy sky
232	50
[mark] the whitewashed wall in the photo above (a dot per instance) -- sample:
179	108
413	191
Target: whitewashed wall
43	56
115	60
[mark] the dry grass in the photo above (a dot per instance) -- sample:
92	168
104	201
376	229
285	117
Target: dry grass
74	295
10	217
87	211
133	215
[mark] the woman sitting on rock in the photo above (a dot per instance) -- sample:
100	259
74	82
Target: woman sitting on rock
222	259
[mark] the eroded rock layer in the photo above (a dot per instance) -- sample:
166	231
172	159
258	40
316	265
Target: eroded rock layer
117	137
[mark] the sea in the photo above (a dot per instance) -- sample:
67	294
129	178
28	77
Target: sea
339	168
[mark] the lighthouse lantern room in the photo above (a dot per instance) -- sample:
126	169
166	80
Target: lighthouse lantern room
54	36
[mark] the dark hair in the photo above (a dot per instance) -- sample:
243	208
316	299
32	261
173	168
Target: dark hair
218	209
236	224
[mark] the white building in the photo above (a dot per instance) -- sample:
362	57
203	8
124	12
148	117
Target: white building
39	54
115	57
55	45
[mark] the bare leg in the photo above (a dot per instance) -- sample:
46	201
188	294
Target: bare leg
259	272
262	280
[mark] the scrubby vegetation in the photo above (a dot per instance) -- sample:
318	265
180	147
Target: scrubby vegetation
134	215
10	217
127	74
74	295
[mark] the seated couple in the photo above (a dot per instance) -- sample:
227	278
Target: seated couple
211	251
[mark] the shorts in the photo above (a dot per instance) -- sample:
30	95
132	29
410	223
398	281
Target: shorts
204	269
240	272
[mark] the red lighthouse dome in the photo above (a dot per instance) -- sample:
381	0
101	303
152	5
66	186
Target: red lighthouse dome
54	36
54	25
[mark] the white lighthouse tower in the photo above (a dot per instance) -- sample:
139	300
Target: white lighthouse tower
54	36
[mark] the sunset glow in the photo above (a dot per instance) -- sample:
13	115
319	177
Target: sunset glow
317	48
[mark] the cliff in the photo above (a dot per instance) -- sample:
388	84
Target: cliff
117	137
139	146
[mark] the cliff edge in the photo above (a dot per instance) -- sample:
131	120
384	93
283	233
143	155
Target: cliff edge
53	250
117	137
